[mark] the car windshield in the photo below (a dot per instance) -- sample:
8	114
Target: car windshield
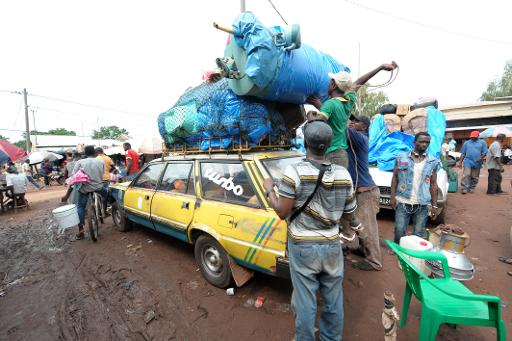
276	167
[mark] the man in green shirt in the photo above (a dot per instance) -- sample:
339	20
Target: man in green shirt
336	110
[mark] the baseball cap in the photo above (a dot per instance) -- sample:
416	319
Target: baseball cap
342	79
474	133
317	135
361	118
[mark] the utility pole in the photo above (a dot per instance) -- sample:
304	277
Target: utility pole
242	5
34	124
27	127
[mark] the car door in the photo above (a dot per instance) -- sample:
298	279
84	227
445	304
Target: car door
138	196
174	202
232	208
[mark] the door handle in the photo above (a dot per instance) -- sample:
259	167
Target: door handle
146	197
185	204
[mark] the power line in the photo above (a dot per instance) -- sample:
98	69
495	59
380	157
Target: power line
465	35
275	9
89	105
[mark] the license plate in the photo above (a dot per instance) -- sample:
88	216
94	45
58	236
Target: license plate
385	201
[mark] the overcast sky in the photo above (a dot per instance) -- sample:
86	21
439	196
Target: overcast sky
139	56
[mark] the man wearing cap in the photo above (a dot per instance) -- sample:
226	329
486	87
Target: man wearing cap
367	195
494	166
314	249
472	152
336	110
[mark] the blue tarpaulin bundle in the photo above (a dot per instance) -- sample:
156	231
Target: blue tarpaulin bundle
211	115
278	74
385	147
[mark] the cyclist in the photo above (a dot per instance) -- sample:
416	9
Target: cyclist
94	168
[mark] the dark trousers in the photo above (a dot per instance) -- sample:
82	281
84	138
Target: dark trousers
494	183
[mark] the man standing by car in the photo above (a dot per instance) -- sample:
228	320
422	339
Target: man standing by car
314	249
132	161
414	188
494	166
336	110
367	194
472	152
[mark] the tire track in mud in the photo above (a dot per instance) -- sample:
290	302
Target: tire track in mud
113	303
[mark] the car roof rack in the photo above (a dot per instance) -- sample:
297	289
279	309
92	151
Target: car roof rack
238	145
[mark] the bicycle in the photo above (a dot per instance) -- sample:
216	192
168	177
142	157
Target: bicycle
95	214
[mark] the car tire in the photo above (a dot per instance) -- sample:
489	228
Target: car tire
121	222
212	261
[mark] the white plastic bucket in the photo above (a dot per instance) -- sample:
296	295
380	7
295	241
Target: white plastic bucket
66	216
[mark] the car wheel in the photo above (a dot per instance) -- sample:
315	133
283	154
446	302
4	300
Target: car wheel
121	222
213	261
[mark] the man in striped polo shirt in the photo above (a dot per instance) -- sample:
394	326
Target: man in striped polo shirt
314	249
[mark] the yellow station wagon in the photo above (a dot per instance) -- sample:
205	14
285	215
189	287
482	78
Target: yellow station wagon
216	202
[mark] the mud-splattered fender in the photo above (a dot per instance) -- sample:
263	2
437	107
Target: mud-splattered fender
205	229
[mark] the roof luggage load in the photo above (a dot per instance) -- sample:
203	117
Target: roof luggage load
211	117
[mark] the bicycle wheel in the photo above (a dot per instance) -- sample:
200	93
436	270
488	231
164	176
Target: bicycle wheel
92	219
98	203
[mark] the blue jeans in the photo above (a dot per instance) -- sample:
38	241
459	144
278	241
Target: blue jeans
81	205
404	213
33	182
317	266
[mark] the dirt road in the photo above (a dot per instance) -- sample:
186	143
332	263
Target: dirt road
144	286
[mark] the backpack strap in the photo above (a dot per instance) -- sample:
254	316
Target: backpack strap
295	214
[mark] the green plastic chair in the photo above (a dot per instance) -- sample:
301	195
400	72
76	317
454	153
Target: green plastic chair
445	300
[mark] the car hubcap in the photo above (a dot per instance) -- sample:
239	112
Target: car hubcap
212	260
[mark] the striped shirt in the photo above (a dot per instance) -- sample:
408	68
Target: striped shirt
335	196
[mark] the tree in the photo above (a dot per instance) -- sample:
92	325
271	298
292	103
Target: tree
56	131
21	144
109	132
61	131
4	138
499	87
370	102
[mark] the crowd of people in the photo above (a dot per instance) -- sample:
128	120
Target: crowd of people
17	180
334	188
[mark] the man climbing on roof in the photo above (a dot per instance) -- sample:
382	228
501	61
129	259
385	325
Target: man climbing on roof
336	110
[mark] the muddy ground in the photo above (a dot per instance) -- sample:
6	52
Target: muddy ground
141	285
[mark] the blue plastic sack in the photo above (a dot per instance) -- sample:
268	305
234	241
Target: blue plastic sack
384	147
283	76
436	125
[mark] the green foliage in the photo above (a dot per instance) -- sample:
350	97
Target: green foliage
21	144
370	102
499	87
109	132
56	131
61	131
4	138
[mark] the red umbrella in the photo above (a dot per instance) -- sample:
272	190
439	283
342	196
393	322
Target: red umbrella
10	151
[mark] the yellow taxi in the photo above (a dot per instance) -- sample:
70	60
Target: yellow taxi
216	202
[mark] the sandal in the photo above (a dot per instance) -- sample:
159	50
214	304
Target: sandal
80	236
504	259
348	239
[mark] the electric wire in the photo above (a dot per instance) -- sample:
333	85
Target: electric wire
465	35
89	105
